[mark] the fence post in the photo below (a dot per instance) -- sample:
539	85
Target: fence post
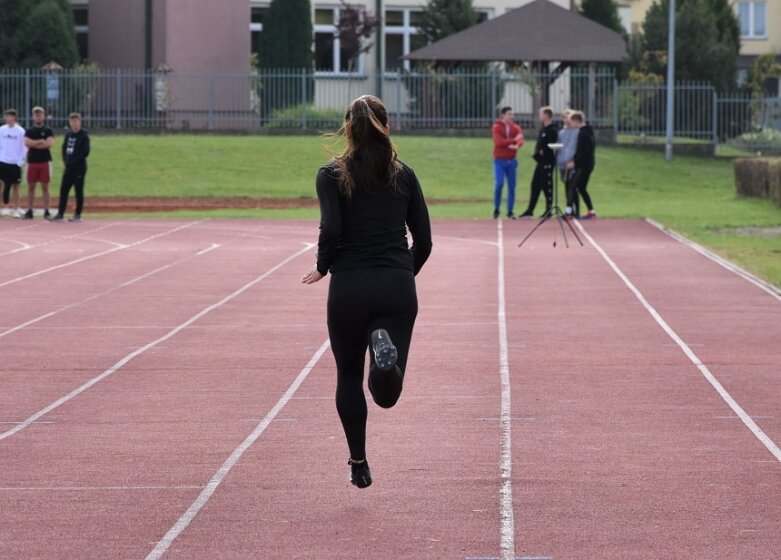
26	93
303	98
493	94
210	121
615	110
591	92
118	99
398	99
715	120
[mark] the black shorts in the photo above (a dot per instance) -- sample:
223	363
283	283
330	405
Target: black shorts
10	174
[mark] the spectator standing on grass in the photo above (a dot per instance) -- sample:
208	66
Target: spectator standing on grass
542	180
39	139
368	199
12	154
583	162
568	136
75	150
508	138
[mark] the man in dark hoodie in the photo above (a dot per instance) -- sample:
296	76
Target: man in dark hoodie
75	150
583	162
542	181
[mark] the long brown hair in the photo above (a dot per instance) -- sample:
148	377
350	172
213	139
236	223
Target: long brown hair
369	161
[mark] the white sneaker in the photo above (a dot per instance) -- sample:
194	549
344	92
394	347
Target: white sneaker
18	213
5	212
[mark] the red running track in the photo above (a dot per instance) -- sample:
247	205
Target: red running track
166	392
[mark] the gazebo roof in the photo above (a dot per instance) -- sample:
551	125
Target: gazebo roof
537	32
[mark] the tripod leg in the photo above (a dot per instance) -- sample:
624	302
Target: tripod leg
560	219
528	235
575	233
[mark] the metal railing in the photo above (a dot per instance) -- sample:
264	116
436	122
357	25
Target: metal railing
454	99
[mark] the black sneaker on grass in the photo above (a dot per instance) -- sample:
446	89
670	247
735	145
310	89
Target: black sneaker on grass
496	213
360	475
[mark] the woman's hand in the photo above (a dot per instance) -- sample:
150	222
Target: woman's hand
312	276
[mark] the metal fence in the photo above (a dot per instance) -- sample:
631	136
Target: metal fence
454	99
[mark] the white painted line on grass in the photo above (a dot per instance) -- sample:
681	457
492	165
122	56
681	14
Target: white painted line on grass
736	408
94	256
506	515
173	332
231	461
732	267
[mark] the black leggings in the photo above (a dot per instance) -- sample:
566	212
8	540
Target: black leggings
360	301
73	177
542	181
580	183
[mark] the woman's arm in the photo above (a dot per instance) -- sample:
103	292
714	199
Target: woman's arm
419	225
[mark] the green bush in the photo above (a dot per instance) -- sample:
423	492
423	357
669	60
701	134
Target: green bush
766	140
313	117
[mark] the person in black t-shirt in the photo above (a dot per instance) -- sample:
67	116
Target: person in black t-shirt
39	138
368	199
583	162
75	150
542	180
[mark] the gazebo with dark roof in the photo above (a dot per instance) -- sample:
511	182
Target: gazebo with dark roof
538	33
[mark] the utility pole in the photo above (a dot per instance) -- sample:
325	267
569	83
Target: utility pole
668	146
378	44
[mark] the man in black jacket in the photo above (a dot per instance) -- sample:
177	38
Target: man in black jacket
583	162
75	150
542	180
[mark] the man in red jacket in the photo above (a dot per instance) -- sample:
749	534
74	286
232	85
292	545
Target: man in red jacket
508	137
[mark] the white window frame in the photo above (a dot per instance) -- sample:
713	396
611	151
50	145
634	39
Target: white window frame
751	6
337	47
406	30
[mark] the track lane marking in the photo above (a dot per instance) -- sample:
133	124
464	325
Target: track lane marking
186	518
173	332
721	261
506	514
769	444
120	247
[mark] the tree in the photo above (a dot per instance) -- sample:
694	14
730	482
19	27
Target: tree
286	51
442	18
707	39
354	28
604	12
287	36
36	32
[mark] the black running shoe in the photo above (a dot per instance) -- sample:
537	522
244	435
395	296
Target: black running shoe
360	475
496	213
511	216
75	218
47	215
385	354
526	216
56	218
29	214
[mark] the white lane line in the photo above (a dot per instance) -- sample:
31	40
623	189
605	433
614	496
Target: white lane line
732	267
22	246
94	256
211	247
92	488
187	517
507	532
736	408
52	241
173	332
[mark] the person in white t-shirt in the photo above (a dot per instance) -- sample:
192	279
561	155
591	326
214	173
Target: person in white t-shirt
12	155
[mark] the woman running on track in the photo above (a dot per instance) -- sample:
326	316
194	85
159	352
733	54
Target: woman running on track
368	198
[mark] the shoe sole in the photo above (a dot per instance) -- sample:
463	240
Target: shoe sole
385	353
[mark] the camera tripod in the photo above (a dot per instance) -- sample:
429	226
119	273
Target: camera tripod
555	211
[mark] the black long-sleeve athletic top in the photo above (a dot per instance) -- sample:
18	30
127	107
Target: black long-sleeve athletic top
370	229
75	148
584	152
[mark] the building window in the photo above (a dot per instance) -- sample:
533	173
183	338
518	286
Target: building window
257	15
329	55
402	37
752	17
81	20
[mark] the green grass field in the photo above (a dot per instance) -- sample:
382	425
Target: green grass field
695	196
